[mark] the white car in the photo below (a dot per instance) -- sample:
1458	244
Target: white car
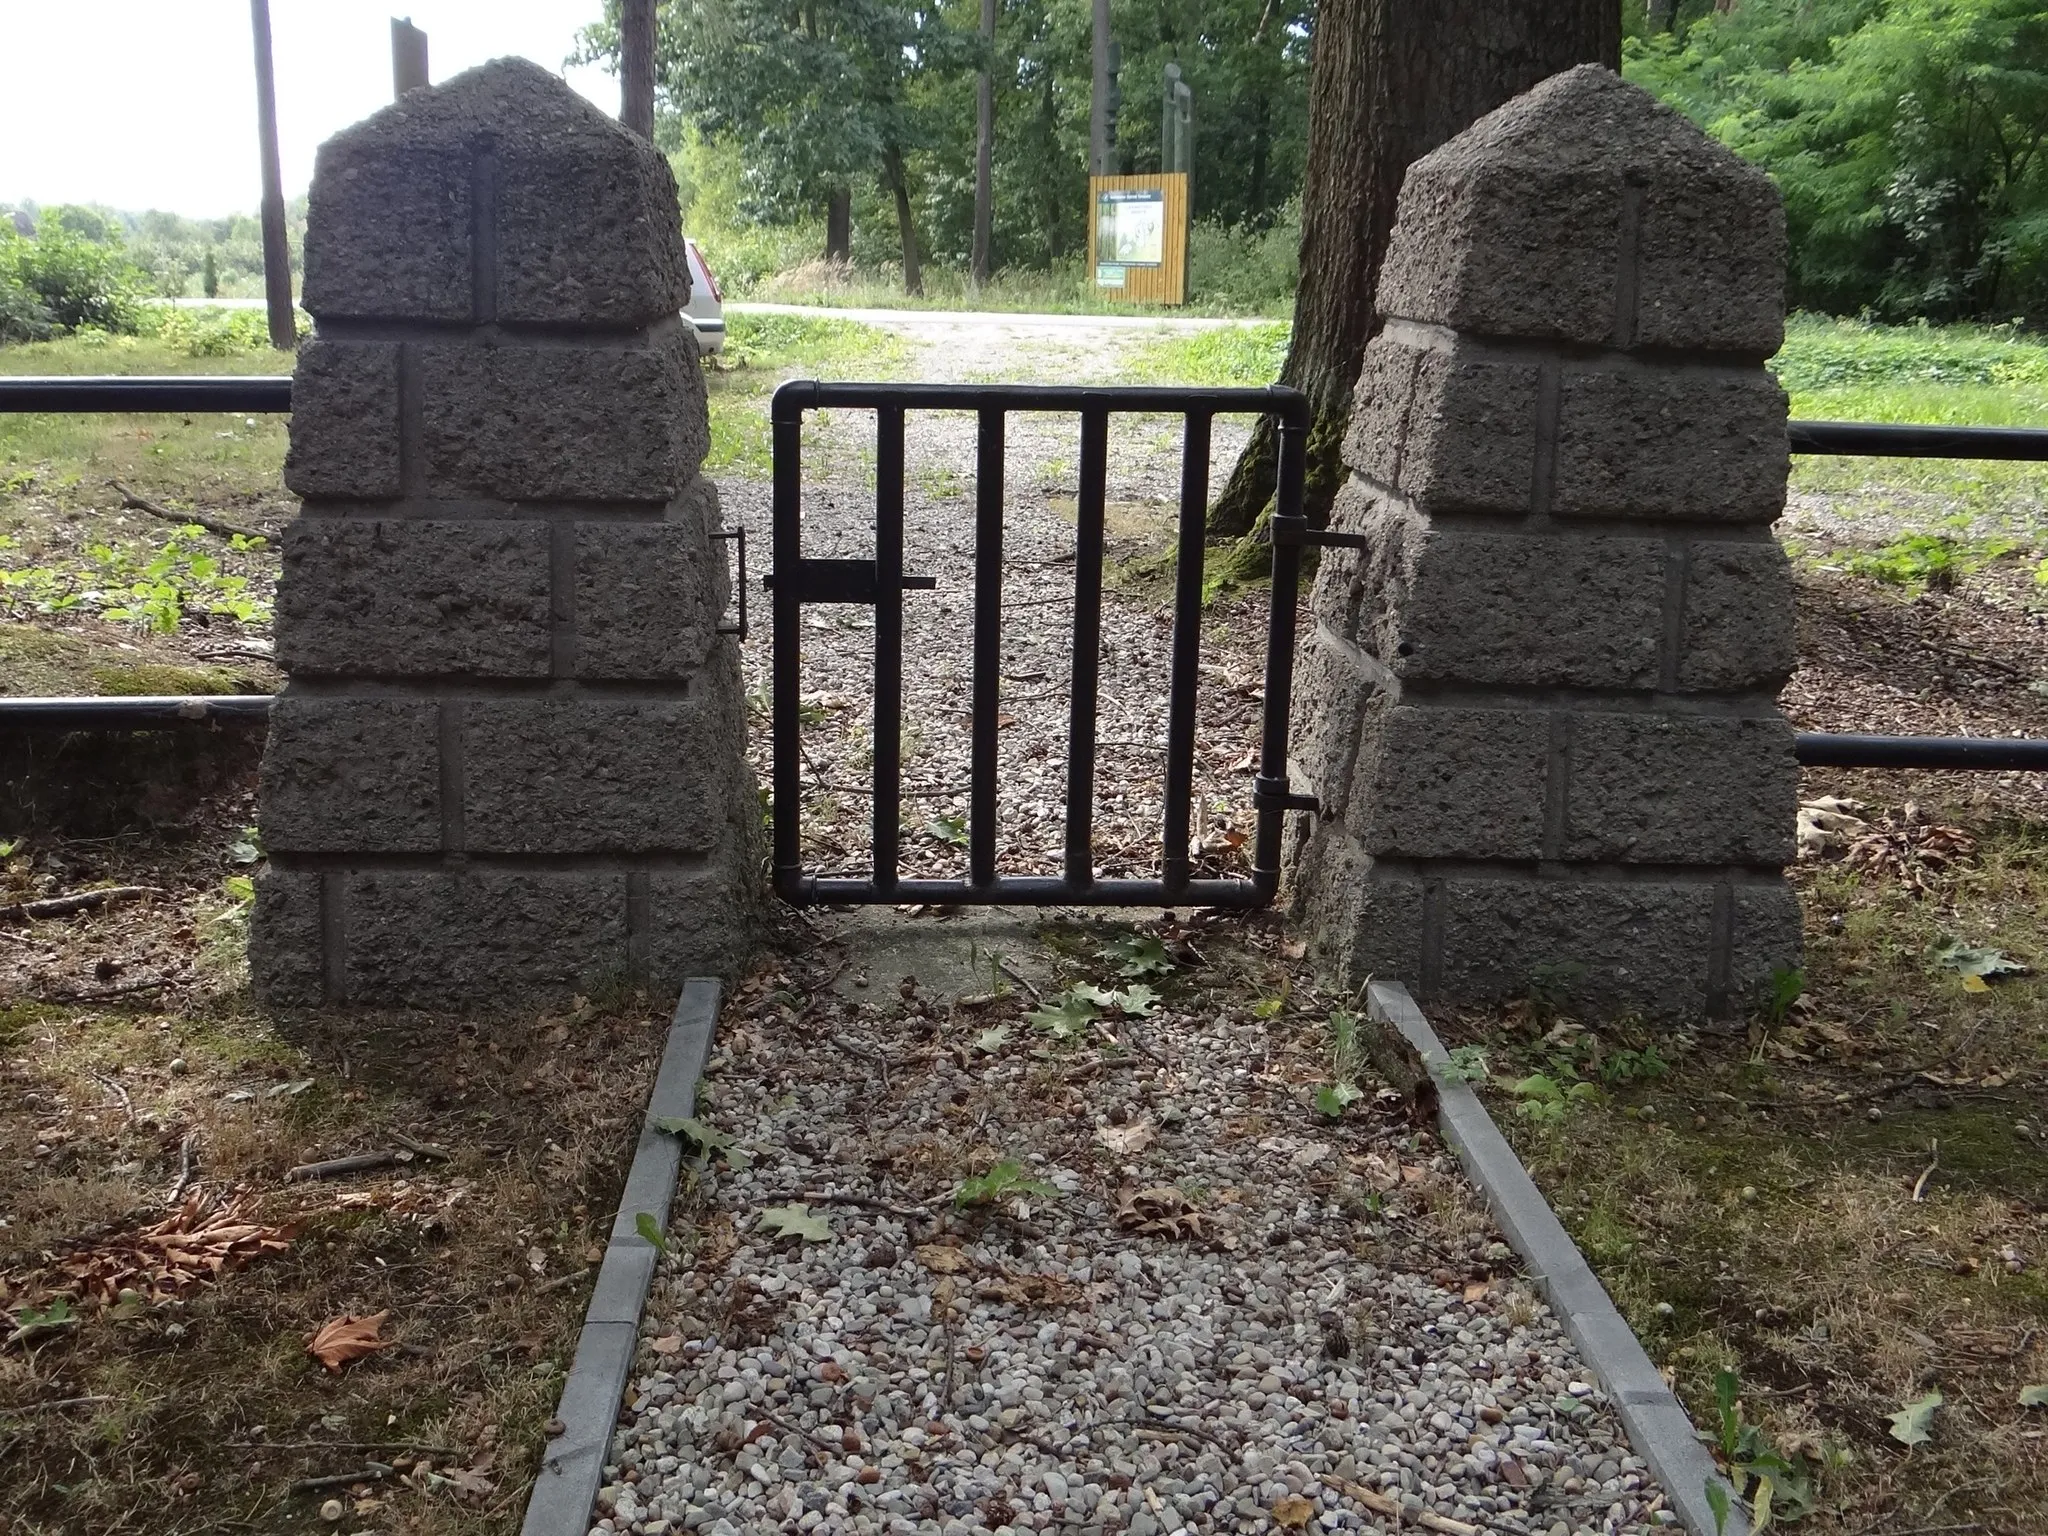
706	309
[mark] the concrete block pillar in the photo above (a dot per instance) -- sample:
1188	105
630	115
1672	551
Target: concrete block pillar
1540	707
510	755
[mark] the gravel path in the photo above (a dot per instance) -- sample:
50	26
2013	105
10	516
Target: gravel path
1213	1311
1206	1308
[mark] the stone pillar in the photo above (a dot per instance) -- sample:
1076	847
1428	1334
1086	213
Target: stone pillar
510	755
1540	706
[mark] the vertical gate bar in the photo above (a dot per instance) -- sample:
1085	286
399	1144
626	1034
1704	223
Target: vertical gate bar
988	643
1187	649
787	651
1272	782
888	735
1088	518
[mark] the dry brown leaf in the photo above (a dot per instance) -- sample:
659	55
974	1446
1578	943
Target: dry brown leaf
669	1344
1158	1211
1135	1137
942	1260
348	1337
1477	1290
1293	1512
190	1247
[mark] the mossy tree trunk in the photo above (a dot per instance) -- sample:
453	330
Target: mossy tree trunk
1392	79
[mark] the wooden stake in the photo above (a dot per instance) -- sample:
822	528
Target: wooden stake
277	256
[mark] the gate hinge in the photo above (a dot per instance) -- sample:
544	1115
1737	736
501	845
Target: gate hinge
1276	794
1293	528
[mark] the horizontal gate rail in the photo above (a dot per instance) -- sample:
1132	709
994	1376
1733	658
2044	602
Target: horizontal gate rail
153	712
197	392
882	582
1884	439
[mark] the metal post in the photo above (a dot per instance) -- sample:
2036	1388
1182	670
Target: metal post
1272	784
277	256
988	647
408	57
1081	696
787	649
1185	681
888	719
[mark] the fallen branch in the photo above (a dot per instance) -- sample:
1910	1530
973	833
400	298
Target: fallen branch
1393	1509
374	1472
362	1162
81	901
345	1445
101	994
184	1166
214	525
424	1149
56	1403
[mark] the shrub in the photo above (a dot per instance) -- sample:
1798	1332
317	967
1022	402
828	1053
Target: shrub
1239	267
77	281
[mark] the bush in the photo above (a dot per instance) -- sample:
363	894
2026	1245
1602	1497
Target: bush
210	332
23	316
78	282
1238	267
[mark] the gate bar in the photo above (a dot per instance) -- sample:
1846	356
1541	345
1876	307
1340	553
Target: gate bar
888	733
1272	782
1183	683
988	646
787	662
1091	495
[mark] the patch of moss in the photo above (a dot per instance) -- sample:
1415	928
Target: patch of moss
149	678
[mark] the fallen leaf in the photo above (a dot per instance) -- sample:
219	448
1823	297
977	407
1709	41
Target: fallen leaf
942	1260
1477	1290
1910	1423
1976	962
348	1337
471	1479
832	1371
669	1344
796	1220
1293	1512
1160	1210
2035	1396
1135	1137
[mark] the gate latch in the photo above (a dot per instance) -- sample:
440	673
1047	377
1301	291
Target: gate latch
1295	529
844	581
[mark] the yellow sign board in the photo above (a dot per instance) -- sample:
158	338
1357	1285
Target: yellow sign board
1138	237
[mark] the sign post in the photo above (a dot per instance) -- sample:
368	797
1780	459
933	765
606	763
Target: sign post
1138	237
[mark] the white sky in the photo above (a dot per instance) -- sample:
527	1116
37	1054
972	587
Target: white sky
144	104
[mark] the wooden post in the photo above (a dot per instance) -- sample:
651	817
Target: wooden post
1101	119
408	57
636	67
277	256
984	153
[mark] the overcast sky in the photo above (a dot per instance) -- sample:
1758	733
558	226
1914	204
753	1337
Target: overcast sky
152	103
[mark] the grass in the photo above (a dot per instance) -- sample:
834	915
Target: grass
760	352
1760	1206
1065	291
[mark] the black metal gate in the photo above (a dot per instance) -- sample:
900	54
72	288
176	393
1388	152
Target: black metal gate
798	580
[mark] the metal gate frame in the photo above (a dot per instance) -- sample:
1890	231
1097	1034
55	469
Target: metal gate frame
797	580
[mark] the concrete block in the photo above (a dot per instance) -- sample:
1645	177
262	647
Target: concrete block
1379	409
593	775
1362	921
1767	937
1438	783
285	953
471	938
1710	260
1739	612
588	228
344	421
1594	947
352	775
1681	789
1328	706
1469	443
1510	610
558	422
388	224
1680	442
704	923
401	598
650	596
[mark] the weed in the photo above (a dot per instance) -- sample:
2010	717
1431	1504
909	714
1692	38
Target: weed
1464	1064
1005	1180
1779	1487
948	829
1924	561
1543	1099
1138	954
1342	1091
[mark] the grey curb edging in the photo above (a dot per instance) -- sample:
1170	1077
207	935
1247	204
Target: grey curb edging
565	1491
1656	1423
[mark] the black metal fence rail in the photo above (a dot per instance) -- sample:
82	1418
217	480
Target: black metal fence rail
882	581
151	712
198	392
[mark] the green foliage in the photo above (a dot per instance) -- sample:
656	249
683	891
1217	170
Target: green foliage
1225	355
152	588
1543	1099
1346	1061
1908	138
1913	1423
650	1229
1138	954
796	1220
211	332
710	1144
950	829
1002	1182
63	281
1065	1016
1822	354
1925	561
1463	1064
1783	1487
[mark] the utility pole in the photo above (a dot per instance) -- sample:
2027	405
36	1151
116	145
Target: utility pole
636	66
984	152
1102	159
408	57
277	256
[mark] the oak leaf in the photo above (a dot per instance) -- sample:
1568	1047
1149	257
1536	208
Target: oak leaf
348	1337
1293	1512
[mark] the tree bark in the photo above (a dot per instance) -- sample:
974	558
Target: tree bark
984	153
277	255
1663	15
899	184
839	224
1390	81
1101	130
636	66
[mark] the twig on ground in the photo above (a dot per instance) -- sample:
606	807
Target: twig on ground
214	525
424	1149
1392	1509
78	901
101	994
865	1202
559	1281
374	1472
1020	978
362	1162
184	1166
113	1086
1920	1184
344	1445
55	1403
810	1443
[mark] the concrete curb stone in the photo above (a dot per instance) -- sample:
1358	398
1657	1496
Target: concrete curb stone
1657	1424
572	1467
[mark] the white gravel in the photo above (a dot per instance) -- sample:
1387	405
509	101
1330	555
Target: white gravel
1336	1324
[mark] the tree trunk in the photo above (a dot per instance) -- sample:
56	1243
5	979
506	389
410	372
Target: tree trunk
636	66
899	184
984	153
277	255
1663	15
1101	127
839	224
1390	81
